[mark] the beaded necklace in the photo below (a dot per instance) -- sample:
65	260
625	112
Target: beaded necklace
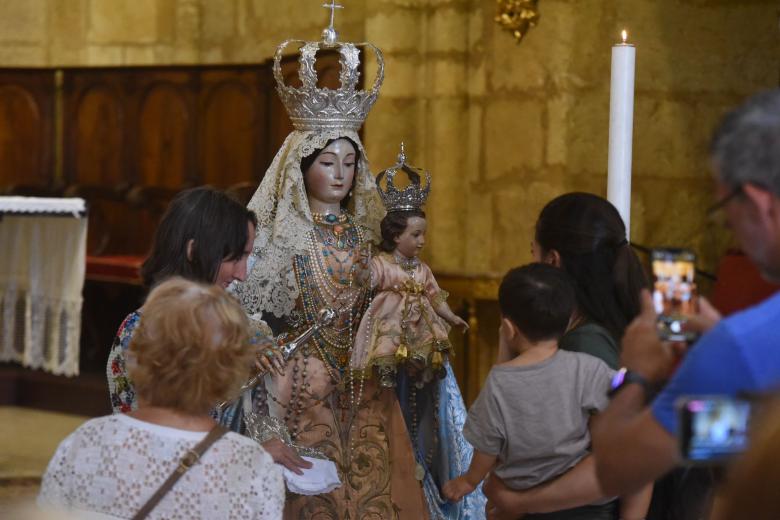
325	276
321	285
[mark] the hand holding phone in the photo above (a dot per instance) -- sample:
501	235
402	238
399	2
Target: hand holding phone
643	351
712	428
705	318
674	292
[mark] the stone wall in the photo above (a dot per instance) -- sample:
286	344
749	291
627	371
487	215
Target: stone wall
425	103
147	32
503	127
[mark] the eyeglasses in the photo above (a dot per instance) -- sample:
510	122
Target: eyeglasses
712	210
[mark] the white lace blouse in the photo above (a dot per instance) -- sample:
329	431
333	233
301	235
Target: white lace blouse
112	465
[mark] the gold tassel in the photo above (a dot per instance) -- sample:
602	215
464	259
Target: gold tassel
436	360
402	353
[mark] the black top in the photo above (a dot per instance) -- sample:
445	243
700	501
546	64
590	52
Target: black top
593	339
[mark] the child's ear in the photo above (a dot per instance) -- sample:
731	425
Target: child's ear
397	239
190	246
510	328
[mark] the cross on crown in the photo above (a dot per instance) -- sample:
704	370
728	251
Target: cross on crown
329	34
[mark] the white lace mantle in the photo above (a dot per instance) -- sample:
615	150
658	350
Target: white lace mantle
284	221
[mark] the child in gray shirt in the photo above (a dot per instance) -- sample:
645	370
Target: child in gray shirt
530	421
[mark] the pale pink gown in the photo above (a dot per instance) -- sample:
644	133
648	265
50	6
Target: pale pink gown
401	314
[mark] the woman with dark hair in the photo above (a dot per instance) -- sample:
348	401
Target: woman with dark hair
204	236
584	235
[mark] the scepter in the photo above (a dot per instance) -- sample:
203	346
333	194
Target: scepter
325	317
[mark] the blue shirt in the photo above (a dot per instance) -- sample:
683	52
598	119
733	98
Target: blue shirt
740	354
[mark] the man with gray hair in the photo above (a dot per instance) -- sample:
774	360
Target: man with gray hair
634	443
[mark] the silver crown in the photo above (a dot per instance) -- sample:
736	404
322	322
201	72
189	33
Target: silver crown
312	108
412	197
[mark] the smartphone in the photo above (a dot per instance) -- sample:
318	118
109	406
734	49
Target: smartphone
712	428
674	291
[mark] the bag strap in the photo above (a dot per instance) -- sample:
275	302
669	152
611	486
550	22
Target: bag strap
190	458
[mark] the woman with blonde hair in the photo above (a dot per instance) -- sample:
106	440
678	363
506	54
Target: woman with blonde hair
187	354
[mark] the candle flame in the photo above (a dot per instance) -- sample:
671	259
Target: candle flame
624	35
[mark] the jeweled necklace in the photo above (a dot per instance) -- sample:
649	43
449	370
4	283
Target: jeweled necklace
329	218
336	232
409	265
321	286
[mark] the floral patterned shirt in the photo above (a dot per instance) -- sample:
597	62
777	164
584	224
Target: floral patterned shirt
120	387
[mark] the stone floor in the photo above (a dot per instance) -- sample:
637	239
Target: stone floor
28	439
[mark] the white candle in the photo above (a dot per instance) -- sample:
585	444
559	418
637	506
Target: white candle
621	129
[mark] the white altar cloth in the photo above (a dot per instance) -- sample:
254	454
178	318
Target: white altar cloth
42	265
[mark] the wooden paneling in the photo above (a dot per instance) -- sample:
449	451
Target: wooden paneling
26	127
127	139
232	128
168	127
94	145
163	133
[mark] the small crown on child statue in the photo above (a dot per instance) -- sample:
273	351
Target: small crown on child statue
312	108
412	197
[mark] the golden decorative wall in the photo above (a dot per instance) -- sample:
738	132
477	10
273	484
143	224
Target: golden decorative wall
503	127
146	32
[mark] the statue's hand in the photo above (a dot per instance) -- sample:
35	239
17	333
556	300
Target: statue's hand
457	321
269	358
286	456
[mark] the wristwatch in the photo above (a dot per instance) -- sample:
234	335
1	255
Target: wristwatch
624	377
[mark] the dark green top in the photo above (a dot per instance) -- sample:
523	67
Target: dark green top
595	340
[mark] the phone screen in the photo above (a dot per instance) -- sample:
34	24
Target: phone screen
674	291
713	428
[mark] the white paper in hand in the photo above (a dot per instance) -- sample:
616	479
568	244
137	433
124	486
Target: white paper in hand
322	477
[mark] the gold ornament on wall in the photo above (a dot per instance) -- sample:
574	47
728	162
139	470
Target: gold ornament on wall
517	16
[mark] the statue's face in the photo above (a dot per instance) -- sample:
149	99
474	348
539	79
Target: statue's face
411	241
329	178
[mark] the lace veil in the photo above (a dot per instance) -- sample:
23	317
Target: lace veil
284	220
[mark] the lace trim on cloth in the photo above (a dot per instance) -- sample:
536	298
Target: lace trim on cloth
42	266
284	221
73	206
422	367
262	428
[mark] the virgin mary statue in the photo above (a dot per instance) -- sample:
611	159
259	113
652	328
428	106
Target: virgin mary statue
317	210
